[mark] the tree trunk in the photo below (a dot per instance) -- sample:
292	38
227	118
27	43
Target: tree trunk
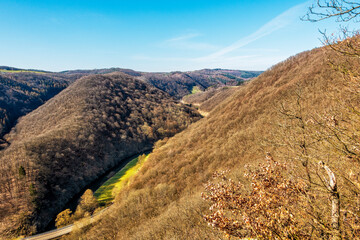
335	215
335	202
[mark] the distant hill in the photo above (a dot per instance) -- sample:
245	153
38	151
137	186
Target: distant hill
164	199
76	136
206	101
179	84
13	69
23	90
102	71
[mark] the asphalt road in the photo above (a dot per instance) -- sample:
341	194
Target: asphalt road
52	234
67	229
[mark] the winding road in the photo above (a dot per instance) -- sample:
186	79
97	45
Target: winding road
52	234
67	229
84	222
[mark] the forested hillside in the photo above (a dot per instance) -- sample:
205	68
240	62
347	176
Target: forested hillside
301	111
22	91
76	136
179	84
207	100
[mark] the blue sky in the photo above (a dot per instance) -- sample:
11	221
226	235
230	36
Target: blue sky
154	35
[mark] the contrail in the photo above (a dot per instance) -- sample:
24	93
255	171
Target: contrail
275	24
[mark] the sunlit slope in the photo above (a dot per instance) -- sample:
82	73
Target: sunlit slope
163	201
76	136
208	100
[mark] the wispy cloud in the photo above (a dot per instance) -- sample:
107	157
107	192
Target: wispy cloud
187	42
273	25
226	56
182	38
221	59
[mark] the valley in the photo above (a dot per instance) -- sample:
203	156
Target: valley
103	191
102	187
80	139
175	141
24	90
60	116
263	116
57	168
83	137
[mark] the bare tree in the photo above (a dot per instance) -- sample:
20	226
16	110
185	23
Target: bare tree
272	209
341	10
346	42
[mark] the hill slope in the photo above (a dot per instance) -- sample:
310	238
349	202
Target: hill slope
208	100
76	136
22	91
164	198
179	84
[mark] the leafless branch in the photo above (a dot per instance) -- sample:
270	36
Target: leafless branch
341	10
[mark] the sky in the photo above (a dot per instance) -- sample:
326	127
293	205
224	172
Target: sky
155	35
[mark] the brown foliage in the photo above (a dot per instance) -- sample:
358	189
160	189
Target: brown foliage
270	210
88	202
79	134
64	218
22	92
209	99
180	84
236	133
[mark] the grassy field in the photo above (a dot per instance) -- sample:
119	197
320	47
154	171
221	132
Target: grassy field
195	89
112	186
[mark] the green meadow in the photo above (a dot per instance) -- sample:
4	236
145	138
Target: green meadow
111	187
195	89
